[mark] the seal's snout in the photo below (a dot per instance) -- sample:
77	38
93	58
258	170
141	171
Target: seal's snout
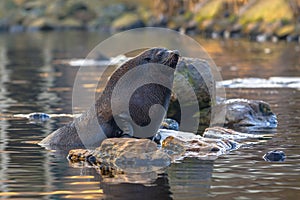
172	58
175	52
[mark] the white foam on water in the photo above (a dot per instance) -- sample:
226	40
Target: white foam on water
272	82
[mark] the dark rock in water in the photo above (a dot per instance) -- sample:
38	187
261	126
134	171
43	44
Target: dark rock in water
170	124
244	113
39	116
274	156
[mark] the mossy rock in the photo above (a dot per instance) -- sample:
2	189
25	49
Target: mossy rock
127	21
252	28
70	23
285	30
210	10
176	22
267	11
221	25
43	24
193	74
207	25
270	28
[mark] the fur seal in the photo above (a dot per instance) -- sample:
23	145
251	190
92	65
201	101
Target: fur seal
84	132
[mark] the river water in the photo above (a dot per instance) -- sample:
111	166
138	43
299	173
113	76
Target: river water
31	82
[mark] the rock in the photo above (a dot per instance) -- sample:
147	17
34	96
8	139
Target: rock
70	23
198	75
76	6
284	31
107	16
112	148
274	156
235	30
267	11
170	124
252	28
244	113
38	116
124	154
270	28
176	146
42	24
209	10
221	25
176	22
207	25
229	134
127	21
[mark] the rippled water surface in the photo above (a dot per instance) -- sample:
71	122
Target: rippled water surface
30	82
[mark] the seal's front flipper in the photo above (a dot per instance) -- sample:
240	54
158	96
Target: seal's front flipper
123	121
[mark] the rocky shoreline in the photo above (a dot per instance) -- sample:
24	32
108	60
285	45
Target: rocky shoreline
257	20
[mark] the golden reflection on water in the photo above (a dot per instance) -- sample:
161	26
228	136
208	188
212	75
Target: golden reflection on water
85	194
83	183
79	177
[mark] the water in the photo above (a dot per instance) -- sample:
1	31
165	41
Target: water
31	83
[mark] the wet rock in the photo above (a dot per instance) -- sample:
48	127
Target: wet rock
244	113
170	124
127	21
180	144
175	146
293	37
124	154
229	134
38	116
274	156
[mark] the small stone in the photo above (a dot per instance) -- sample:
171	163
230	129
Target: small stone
38	116
274	156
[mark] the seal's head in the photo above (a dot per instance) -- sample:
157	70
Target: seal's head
161	56
147	59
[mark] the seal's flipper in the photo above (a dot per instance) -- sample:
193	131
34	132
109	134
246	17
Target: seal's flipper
123	121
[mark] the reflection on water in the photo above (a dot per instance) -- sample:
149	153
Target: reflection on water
31	83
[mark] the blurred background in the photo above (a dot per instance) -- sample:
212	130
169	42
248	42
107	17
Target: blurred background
268	19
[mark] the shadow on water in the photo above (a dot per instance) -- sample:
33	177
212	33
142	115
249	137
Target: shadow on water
31	83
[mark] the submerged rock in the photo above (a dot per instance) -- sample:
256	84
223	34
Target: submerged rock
225	133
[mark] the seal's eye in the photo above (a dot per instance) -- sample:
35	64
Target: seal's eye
159	54
147	59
